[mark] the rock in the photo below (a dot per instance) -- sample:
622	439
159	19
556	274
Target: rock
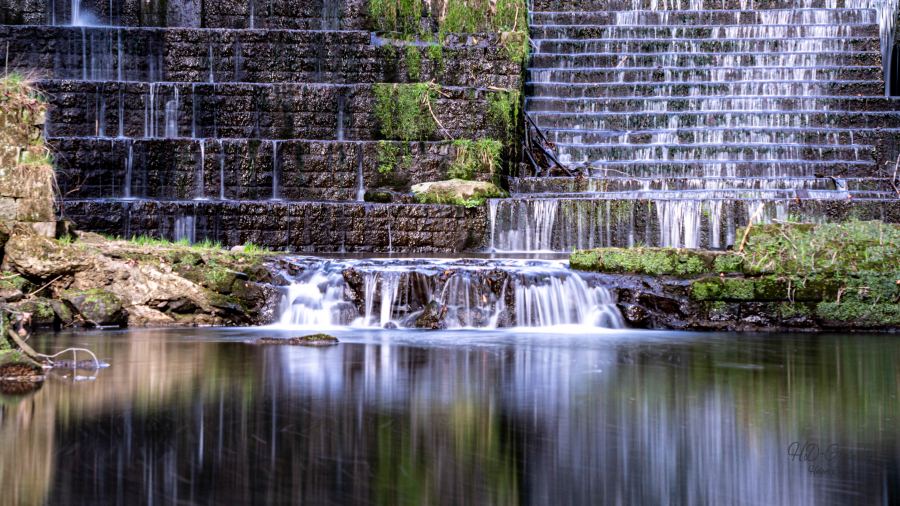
310	340
41	310
12	287
63	312
457	191
97	306
34	256
432	317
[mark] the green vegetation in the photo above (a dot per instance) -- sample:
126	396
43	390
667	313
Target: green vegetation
404	111
392	155
474	158
399	16
418	20
22	112
413	63
503	111
844	273
650	261
457	192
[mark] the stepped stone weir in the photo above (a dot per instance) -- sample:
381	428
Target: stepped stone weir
248	121
688	119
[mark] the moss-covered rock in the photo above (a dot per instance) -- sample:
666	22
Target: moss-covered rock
723	289
12	286
651	261
96	306
34	256
859	314
41	310
457	192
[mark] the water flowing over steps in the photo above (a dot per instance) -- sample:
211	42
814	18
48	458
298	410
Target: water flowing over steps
690	118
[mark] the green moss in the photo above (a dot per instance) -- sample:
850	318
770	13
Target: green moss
788	310
860	313
722	289
12	281
729	263
651	261
503	112
391	156
413	63
403	110
473	158
436	55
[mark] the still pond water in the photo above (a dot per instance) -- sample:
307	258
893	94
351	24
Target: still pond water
405	417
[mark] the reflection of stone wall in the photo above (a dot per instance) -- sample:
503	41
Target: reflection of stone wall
291	226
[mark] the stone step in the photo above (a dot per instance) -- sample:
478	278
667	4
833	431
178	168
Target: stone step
271	14
197	55
675	46
244	110
731	168
585	91
704	61
670	80
530	224
652	32
591	15
734	104
678	119
626	5
310	227
560	185
580	153
241	169
705	135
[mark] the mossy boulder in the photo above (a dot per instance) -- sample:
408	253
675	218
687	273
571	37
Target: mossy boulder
12	286
457	192
655	261
96	306
41	310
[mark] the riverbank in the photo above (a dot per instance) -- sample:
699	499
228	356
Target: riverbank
88	280
787	276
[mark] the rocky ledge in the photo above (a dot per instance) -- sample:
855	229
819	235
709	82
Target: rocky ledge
88	280
783	277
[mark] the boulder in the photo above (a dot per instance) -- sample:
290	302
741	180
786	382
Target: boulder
310	340
34	256
97	306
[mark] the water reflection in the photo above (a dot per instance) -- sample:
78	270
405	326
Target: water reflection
500	419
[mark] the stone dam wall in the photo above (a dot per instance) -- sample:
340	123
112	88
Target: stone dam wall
291	124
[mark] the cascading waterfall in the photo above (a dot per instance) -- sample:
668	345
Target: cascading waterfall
444	293
692	118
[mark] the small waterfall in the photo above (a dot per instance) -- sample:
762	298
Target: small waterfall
445	293
340	118
360	180
199	176
121	113
171	117
129	166
212	65
276	171
185	229
221	170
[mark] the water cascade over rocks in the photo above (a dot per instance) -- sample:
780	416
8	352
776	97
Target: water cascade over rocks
421	293
688	119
